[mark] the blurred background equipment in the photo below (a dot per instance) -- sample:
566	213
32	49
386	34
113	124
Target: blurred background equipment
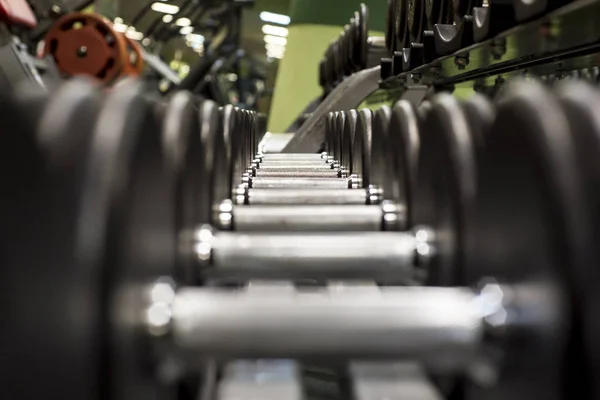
300	200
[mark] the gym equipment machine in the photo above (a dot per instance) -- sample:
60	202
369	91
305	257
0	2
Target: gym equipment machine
444	249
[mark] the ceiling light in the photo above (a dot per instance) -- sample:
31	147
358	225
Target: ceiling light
165	8
275	18
120	27
167	18
275	55
275	40
186	29
275	30
134	35
183	22
195	38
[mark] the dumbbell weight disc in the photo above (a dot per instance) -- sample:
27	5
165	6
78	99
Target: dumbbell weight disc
529	227
128	232
416	21
446	185
390	20
184	156
223	178
350	121
400	25
62	304
361	37
348	50
361	147
86	44
216	145
339	134
379	144
402	156
579	102
438	12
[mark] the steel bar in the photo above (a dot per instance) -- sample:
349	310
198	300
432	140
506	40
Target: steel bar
331	183
269	218
440	327
345	255
307	196
297	173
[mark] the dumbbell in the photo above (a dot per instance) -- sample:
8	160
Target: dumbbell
351	52
542	258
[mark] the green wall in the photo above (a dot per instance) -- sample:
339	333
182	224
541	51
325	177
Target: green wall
315	23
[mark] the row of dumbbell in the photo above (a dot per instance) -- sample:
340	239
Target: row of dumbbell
351	52
509	240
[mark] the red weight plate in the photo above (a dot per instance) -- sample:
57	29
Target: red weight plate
86	44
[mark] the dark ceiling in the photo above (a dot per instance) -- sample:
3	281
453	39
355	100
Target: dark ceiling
251	35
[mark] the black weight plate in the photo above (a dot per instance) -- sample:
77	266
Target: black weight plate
416	21
216	140
361	148
184	155
390	21
402	156
223	178
530	228
400	25
236	137
351	118
361	39
322	74
350	48
580	103
438	12
51	307
126	232
329	133
446	185
58	301
380	172
339	135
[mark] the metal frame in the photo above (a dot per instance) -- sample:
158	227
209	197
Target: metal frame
348	94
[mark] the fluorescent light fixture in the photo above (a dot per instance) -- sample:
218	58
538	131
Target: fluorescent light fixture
274	47
167	18
165	8
183	22
275	40
275	18
275	30
186	30
275	55
195	38
118	20
120	27
134	35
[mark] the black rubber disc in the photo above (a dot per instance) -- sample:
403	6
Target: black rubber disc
361	147
340	126
446	185
126	233
184	156
380	172
52	304
223	177
402	156
529	229
580	102
348	138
